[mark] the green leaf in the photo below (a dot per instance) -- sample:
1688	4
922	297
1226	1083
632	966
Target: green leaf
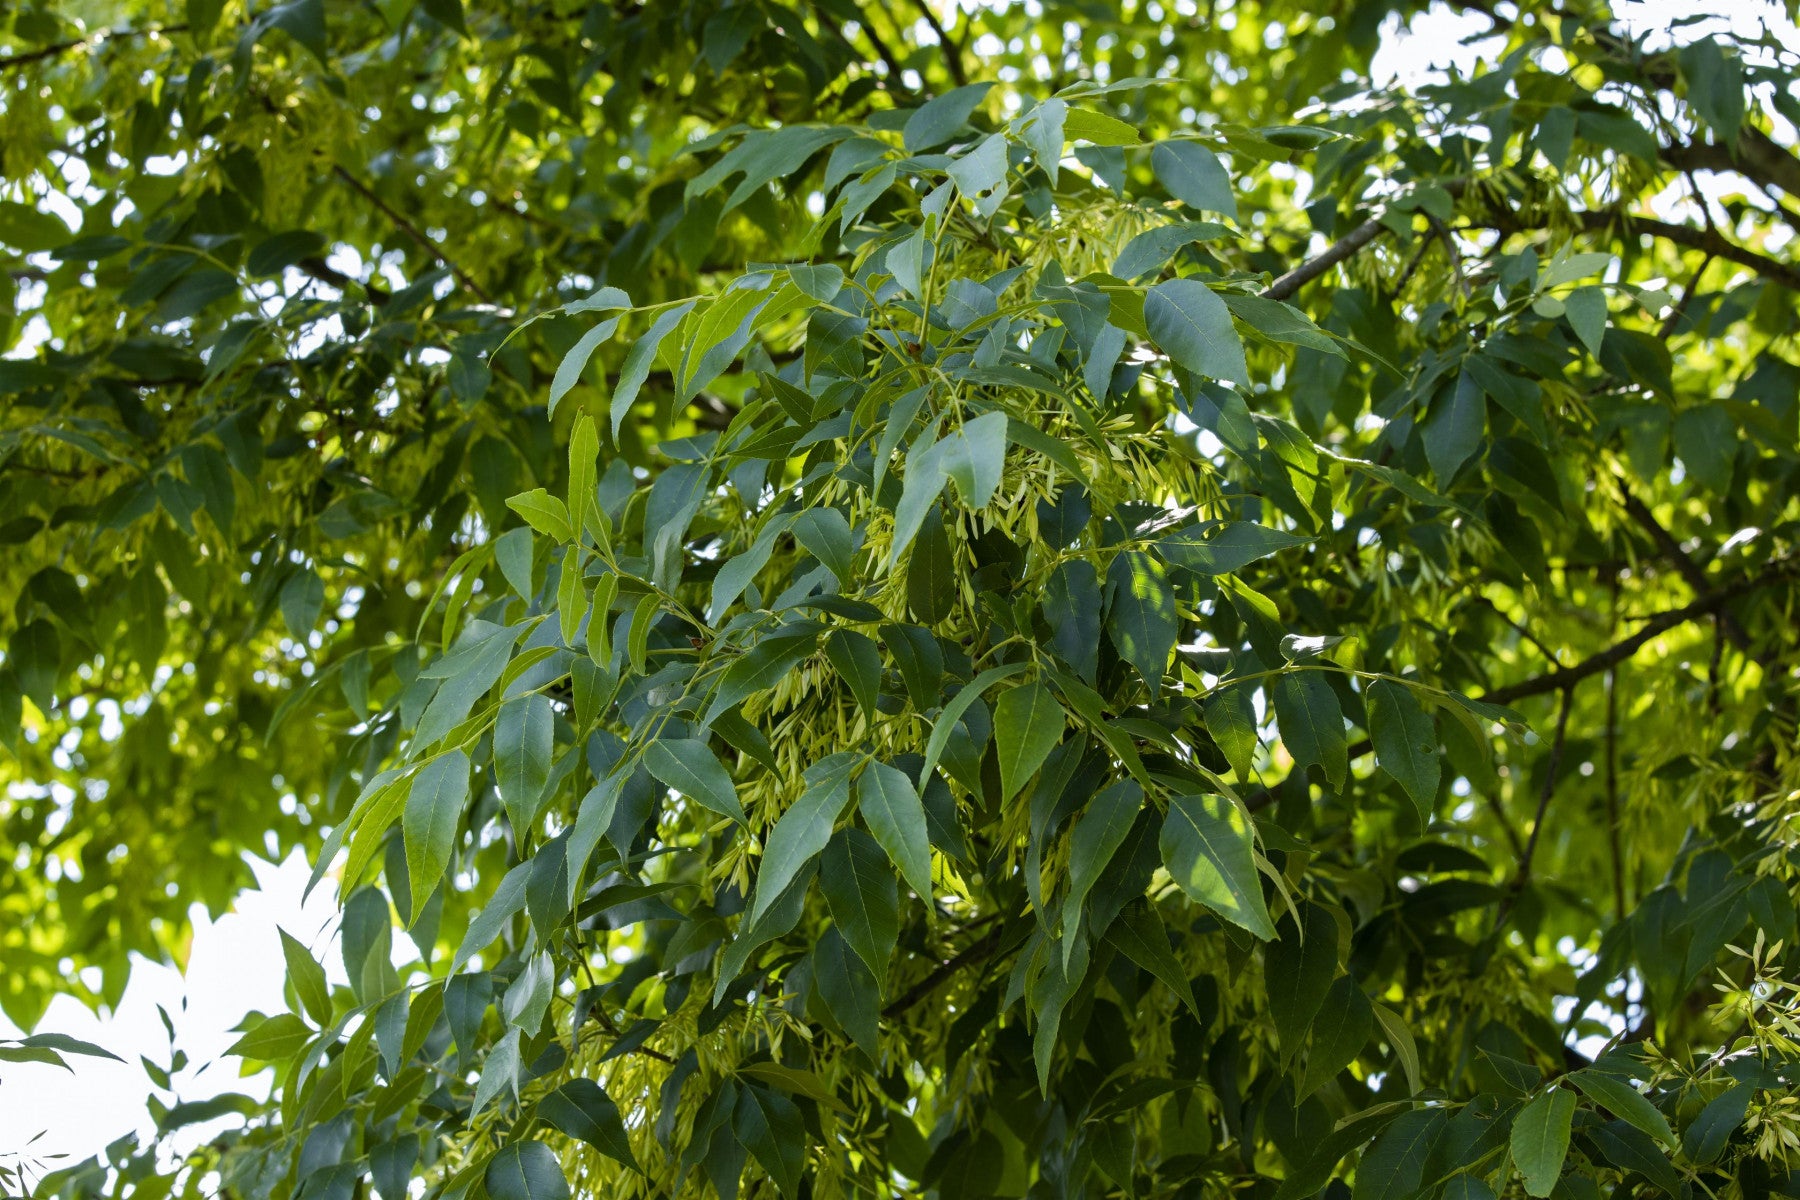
568	372
526	1171
1209	851
1097	836
507	902
1585	310
1625	1101
308	978
1231	720
639	359
760	669
822	281
499	1072
931	578
35	655
1072	609
1705	1139
65	1044
849	991
1339	1033
1312	722
544	513
941	119
581	1109
1230	547
1394	1167
1298	967
690	767
1139	934
584	449
982	168
1715	86
434	807
826	535
302	598
890	807
1190	324
1400	1039
771	1128
1086	125
974	457
1452	431
1151	250
922	484
524	741
1042	130
946	721
1028	722
1141	618
1540	1140
859	889
1405	741
857	660
273	1040
1195	176
1281	322
803	830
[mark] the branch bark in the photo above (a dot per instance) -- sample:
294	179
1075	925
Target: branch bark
412	231
1563	678
1312	268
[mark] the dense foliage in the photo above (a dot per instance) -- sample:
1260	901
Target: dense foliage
1066	600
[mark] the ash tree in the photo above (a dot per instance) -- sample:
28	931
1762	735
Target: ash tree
1068	600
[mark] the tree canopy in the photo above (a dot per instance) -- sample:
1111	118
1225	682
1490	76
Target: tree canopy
1067	599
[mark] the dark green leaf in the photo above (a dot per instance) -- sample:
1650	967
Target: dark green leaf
1209	851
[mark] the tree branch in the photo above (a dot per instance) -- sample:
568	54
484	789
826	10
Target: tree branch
952	51
412	231
56	49
981	947
1312	268
1563	678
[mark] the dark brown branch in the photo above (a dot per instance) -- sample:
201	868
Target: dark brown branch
1612	774
1686	567
1667	329
1757	157
1312	268
1544	793
57	49
1660	623
412	231
325	273
1564	678
981	947
1705	240
952	51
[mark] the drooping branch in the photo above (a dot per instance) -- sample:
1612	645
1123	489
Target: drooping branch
1562	679
412	231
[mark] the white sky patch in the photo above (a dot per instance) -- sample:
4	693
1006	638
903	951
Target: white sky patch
235	967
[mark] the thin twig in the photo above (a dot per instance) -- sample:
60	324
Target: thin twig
98	39
1612	772
412	231
1667	329
1523	878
